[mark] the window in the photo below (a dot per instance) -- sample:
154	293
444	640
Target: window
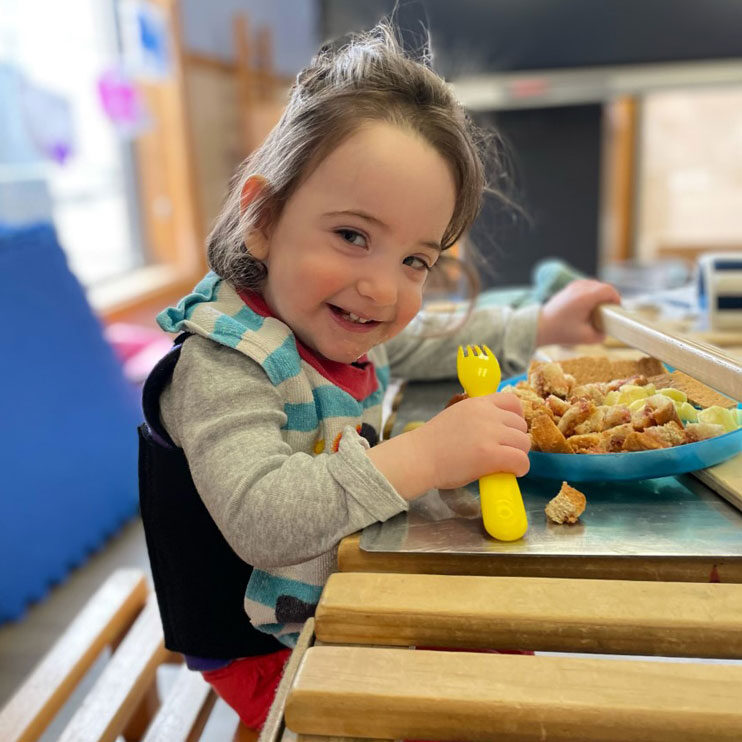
51	56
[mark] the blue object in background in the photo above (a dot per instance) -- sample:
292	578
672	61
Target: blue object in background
68	445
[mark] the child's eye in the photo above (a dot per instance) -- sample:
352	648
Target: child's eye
353	237
417	263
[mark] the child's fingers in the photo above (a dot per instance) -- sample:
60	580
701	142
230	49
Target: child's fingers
513	460
514	420
515	439
507	401
596	292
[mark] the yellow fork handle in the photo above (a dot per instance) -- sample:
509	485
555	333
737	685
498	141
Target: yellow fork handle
503	513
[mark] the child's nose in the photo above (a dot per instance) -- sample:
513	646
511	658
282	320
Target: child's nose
379	287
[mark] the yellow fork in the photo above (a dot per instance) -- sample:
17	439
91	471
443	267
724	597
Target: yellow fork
503	513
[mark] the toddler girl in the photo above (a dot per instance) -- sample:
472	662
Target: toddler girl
261	449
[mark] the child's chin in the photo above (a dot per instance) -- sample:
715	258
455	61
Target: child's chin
343	356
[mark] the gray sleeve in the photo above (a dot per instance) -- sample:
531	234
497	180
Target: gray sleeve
273	506
509	333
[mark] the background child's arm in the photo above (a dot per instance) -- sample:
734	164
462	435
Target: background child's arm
512	335
274	507
566	318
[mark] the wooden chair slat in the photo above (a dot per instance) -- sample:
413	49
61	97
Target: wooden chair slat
393	693
126	678
101	622
273	726
185	710
547	614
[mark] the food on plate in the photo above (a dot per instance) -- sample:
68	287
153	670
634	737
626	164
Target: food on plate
567	506
591	369
701	431
639	412
580	406
549	378
546	436
698	394
717	415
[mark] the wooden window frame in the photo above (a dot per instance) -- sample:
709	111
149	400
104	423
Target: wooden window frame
171	220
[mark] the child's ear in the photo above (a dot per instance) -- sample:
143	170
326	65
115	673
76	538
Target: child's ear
256	240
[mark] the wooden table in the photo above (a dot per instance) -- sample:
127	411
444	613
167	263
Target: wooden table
722	481
353	677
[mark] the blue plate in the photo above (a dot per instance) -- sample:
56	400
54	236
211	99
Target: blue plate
622	467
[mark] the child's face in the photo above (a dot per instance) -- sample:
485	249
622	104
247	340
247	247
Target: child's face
355	239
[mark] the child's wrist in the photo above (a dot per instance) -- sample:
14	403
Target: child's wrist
403	461
543	331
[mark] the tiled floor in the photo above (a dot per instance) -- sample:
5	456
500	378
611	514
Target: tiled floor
24	642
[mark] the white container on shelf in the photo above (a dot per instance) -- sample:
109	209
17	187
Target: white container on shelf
720	289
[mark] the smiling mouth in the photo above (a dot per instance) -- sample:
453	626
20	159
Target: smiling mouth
352	317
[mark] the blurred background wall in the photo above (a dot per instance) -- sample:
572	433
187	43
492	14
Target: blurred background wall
607	162
622	119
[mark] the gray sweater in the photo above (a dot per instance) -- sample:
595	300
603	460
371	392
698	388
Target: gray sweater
220	407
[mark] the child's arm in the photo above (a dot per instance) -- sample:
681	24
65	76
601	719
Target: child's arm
273	506
512	335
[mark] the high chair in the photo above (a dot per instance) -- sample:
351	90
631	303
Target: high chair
340	684
123	701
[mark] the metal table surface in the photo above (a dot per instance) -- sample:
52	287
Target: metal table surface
667	517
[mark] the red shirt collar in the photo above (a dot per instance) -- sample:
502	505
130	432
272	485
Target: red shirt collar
357	379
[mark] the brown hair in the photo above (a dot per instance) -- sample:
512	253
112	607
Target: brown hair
369	78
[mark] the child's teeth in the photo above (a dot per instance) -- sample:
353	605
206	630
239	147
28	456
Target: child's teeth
356	318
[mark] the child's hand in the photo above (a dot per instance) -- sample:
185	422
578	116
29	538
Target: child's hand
566	318
475	437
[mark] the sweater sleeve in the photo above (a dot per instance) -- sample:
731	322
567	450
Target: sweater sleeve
274	507
511	335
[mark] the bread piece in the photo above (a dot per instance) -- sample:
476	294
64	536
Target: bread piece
595	391
657	410
695	432
663	410
641	441
672	433
567	506
613	438
580	411
604	417
546	436
636	380
587	443
523	390
549	378
698	393
588	369
531	410
556	405
646	366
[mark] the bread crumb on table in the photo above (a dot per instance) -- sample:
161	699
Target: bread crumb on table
567	506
